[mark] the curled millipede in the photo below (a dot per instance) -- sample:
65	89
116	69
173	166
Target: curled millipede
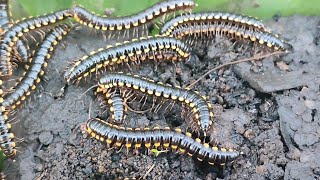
5	22
157	48
7	145
208	31
159	139
31	78
12	35
92	20
200	108
218	18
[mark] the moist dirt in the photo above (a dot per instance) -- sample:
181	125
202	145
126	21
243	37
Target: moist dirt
269	110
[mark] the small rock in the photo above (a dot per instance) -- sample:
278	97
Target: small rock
45	137
282	65
261	169
309	104
39	167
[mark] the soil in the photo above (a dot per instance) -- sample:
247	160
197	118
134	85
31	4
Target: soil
269	110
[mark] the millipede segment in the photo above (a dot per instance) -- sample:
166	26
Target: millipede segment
12	35
32	76
153	48
201	110
98	22
159	139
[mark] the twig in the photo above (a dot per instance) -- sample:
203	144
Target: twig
88	90
234	62
148	172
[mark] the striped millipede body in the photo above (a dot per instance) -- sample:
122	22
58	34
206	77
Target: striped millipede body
4	16
31	78
7	145
12	35
5	23
242	21
156	48
117	107
159	139
209	31
92	20
200	108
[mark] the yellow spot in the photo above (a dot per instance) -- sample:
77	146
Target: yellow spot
174	97
109	141
148	145
188	134
181	99
135	87
138	145
182	150
150	92
215	148
157	94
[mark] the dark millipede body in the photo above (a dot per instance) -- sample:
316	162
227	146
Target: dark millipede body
7	146
157	48
200	108
159	139
5	22
242	21
209	31
92	20
16	31
31	78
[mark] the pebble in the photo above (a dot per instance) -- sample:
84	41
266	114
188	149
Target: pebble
45	137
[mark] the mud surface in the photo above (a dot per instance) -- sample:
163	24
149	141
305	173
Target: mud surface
268	110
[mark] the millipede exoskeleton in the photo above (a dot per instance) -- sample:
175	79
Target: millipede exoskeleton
5	21
200	109
159	138
12	35
206	32
154	48
217	18
7	145
117	107
4	16
131	22
31	77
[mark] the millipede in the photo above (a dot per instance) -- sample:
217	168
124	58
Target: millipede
200	108
154	48
12	35
117	108
92	20
242	21
5	22
209	31
31	78
158	138
7	145
4	16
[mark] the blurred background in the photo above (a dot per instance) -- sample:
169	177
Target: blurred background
263	9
